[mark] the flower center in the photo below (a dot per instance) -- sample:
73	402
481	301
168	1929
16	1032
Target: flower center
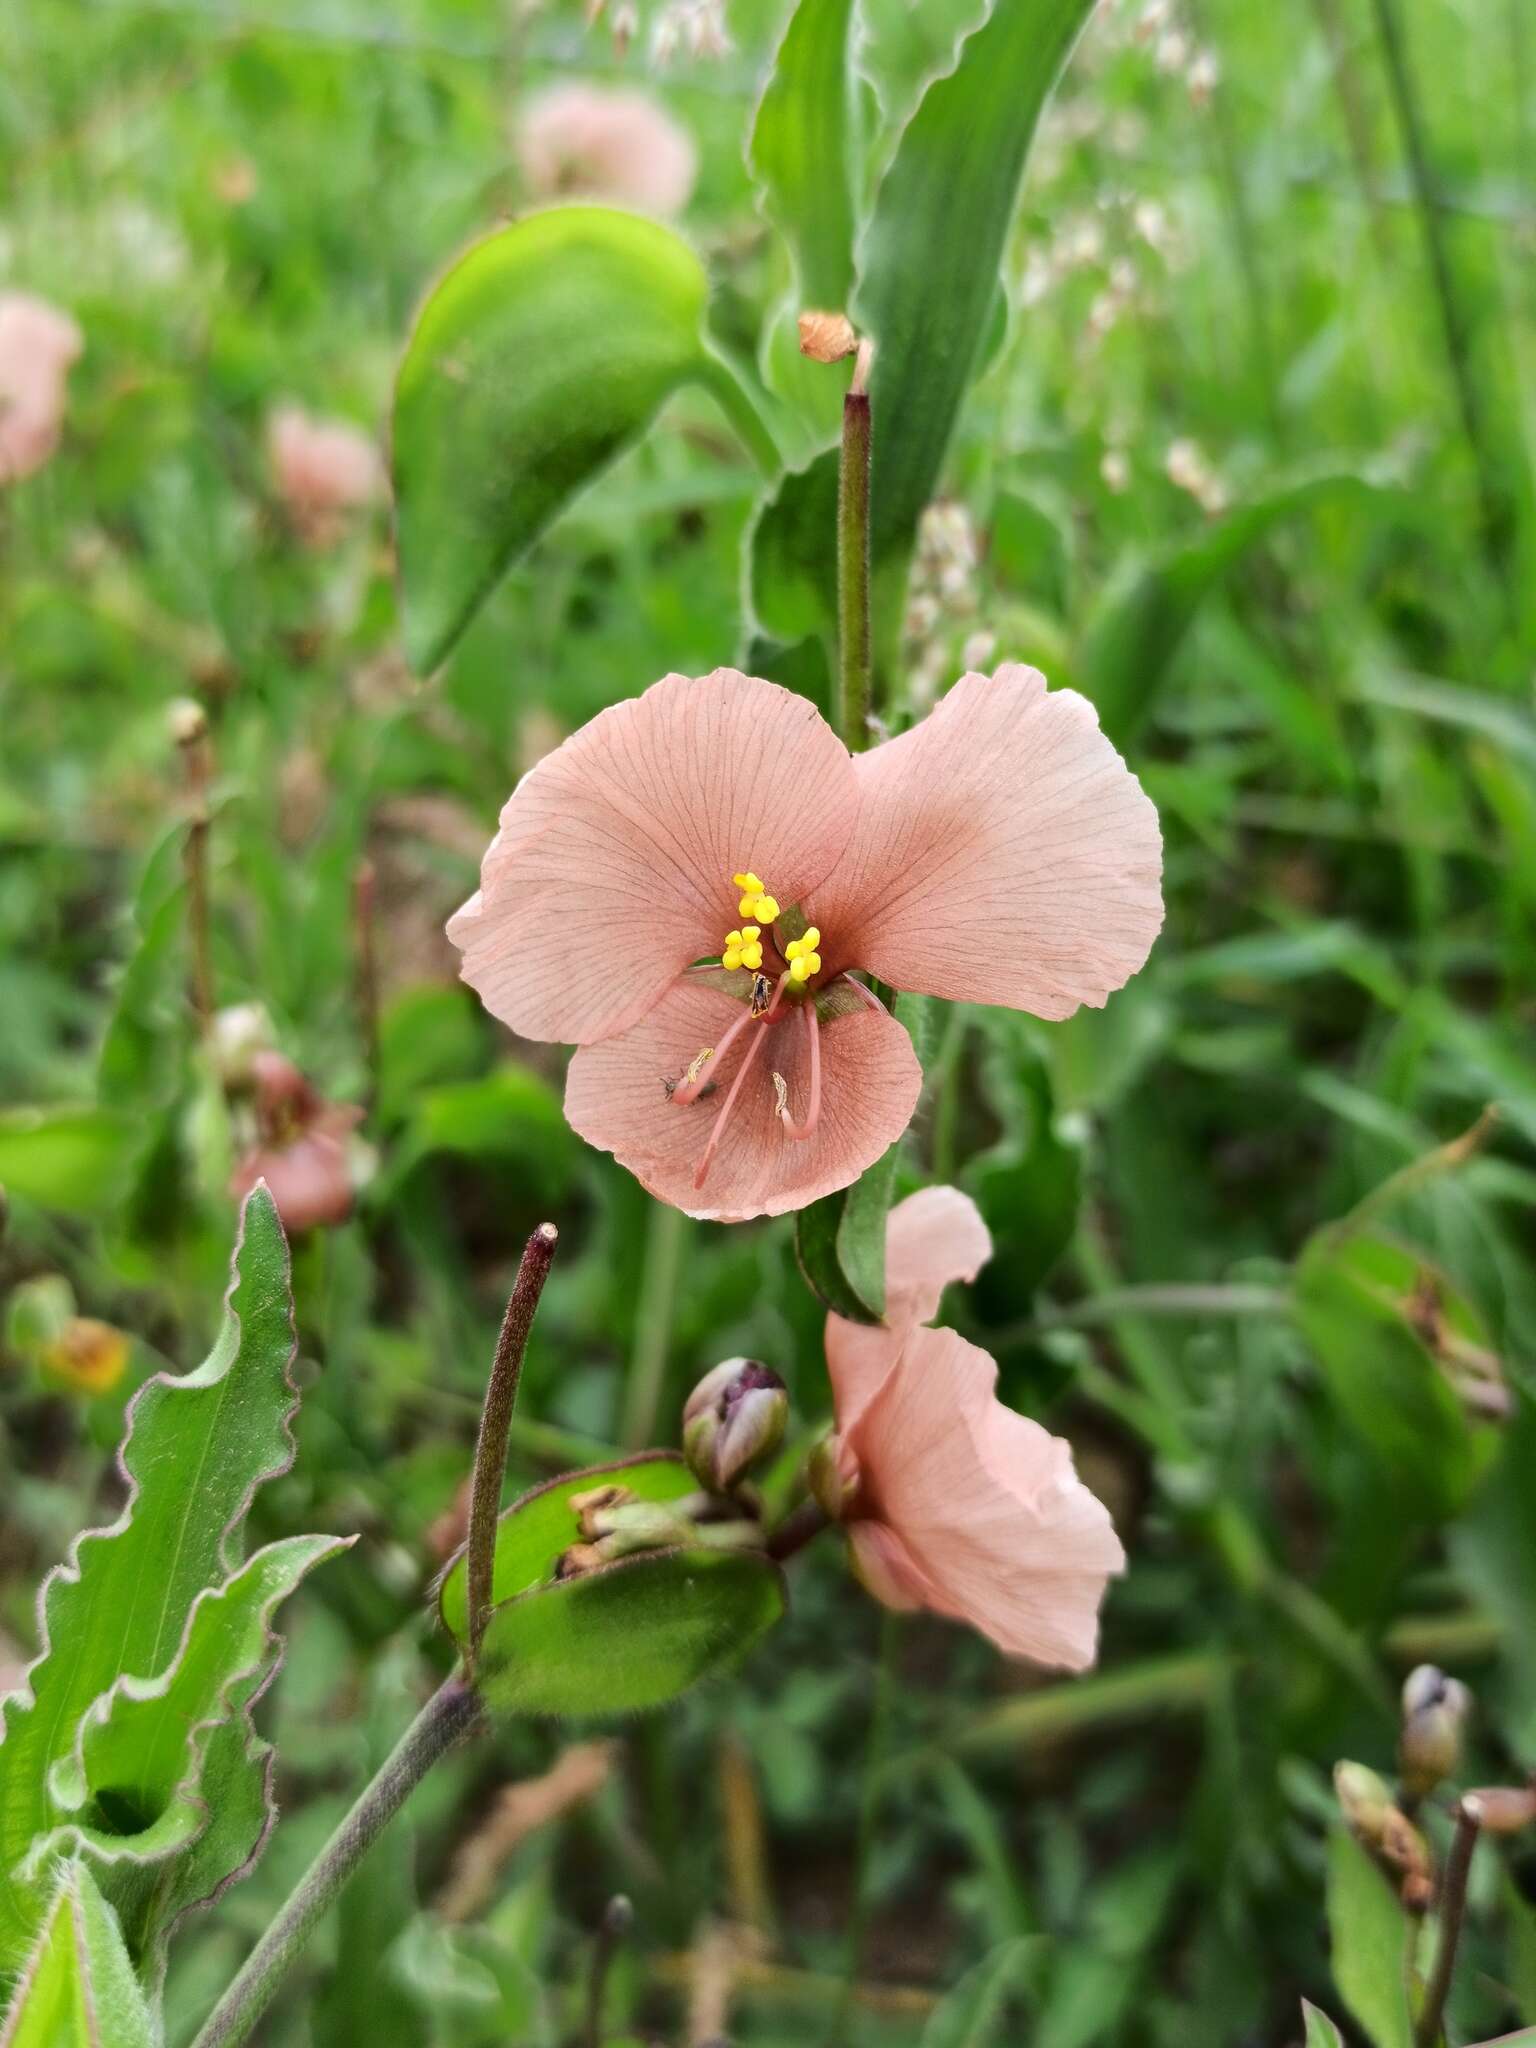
744	947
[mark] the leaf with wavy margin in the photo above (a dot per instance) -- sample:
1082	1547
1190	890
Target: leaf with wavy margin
195	1451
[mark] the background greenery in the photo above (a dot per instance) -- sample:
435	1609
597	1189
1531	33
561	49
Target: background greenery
1323	674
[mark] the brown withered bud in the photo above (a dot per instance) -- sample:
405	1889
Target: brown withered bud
1435	1710
1501	1809
588	1507
1385	1832
827	337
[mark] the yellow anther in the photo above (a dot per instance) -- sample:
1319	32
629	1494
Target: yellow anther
804	965
765	908
807	943
749	882
743	949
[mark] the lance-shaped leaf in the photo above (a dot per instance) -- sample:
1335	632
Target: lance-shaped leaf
803	147
629	1635
77	1988
1371	1939
196	1449
541	1524
803	151
545	351
929	260
1149	603
132	1792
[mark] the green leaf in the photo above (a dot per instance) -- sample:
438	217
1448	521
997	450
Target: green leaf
512	1116
77	1988
543	353
630	1635
972	2014
1149	604
792	553
1370	1935
1321	2031
1355	1292
1029	1184
196	1449
534	1531
840	1240
76	1160
131	1791
803	150
929	263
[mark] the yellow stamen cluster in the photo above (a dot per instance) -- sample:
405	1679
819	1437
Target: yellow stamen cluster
755	901
803	958
743	948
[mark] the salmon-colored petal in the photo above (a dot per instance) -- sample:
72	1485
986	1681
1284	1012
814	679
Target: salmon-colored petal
617	1097
310	1179
612	868
994	1524
931	1239
1004	854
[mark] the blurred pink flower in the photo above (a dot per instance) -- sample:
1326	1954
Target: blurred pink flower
37	345
323	469
999	852
585	141
953	1502
303	1147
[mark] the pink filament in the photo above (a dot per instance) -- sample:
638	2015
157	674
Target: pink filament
813	1106
718	1131
690	1091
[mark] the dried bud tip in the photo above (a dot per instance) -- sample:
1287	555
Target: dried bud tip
827	337
188	721
1364	1798
1501	1809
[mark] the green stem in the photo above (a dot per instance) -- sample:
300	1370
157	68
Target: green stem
739	407
1163	1301
869	1809
1453	1906
496	1422
1453	323
853	630
664	1243
443	1722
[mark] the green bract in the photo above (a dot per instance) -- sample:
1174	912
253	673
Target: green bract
627	1635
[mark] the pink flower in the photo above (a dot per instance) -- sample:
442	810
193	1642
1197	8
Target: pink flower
999	852
952	1501
37	345
323	469
302	1149
581	141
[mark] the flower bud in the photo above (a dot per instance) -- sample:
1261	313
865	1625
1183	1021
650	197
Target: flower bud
1435	1710
1385	1831
734	1418
830	1489
1365	1800
1501	1809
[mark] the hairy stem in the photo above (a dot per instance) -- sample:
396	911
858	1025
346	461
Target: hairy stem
797	1529
853	628
1453	1907
495	1422
444	1721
